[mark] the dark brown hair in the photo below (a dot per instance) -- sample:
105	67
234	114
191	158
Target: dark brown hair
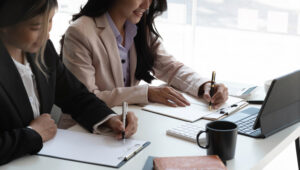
13	12
147	35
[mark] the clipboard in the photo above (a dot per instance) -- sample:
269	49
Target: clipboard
225	111
91	148
197	110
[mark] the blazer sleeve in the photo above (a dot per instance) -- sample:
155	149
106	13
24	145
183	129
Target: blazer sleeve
77	57
18	142
132	95
176	74
74	98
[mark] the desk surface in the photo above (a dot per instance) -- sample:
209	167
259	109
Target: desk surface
250	153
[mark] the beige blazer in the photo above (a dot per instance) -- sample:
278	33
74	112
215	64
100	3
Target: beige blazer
90	52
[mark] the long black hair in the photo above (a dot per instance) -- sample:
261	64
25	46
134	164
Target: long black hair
147	35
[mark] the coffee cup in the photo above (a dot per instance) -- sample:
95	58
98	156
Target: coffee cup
221	139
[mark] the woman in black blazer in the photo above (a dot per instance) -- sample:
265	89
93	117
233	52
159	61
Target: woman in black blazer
24	29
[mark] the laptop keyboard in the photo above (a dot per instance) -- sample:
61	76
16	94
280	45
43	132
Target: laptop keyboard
245	126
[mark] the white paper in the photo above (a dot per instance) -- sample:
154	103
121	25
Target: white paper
198	108
90	148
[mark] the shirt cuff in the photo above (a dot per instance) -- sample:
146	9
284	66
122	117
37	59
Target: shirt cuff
98	129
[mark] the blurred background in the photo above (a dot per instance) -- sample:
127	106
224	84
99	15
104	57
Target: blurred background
248	41
245	41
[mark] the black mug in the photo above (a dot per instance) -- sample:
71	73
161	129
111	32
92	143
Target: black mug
221	139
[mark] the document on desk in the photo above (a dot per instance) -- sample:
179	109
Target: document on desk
91	148
197	110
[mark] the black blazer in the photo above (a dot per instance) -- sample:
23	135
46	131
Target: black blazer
61	88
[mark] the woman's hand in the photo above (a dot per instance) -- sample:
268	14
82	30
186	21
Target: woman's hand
117	125
167	96
220	96
45	126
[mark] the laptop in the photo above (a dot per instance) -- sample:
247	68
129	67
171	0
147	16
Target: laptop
280	109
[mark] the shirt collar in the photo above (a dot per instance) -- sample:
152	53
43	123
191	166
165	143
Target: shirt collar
23	68
113	27
130	29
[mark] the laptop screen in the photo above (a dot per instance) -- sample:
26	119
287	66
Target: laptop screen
281	107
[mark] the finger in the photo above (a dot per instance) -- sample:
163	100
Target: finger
168	103
131	118
163	99
52	121
175	100
206	94
130	129
218	98
226	94
117	125
224	97
219	93
206	97
46	115
131	124
118	136
217	106
179	97
219	102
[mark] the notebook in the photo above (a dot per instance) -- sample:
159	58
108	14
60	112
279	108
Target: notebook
189	162
91	148
197	110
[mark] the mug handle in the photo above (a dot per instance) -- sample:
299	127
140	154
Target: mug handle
197	139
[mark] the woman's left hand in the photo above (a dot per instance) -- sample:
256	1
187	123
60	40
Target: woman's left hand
117	125
220	96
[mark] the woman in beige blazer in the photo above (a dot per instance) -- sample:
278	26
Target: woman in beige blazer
113	44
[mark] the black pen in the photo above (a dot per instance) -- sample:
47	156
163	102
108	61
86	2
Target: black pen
124	113
212	87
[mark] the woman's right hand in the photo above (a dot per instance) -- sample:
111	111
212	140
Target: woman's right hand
167	96
45	126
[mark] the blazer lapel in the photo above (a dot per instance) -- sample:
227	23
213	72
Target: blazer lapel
12	83
133	63
108	39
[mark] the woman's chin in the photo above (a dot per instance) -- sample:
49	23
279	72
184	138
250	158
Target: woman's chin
135	19
33	50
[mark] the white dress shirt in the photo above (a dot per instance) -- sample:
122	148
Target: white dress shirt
29	83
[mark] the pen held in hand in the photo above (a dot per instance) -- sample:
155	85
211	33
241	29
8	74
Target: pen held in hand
212	88
124	113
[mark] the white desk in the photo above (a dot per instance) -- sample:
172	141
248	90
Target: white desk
250	153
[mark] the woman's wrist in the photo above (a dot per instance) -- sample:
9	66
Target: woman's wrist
201	89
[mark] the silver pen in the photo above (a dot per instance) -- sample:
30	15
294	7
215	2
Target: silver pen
124	113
